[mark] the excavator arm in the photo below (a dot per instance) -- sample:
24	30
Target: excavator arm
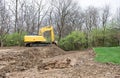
47	28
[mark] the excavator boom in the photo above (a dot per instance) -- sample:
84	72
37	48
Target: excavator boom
47	28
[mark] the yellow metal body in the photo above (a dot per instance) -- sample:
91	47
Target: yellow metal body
34	39
40	37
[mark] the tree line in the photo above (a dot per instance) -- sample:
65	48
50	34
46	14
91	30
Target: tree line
67	17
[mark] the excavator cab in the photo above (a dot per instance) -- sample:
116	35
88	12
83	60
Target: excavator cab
31	40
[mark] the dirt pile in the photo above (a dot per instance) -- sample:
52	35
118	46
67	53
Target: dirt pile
43	52
37	61
56	64
28	58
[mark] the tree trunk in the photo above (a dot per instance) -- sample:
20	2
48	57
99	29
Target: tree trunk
119	42
1	43
104	33
16	15
59	38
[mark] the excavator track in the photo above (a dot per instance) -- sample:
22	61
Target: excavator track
36	44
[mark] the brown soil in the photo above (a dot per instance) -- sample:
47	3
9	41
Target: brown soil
52	62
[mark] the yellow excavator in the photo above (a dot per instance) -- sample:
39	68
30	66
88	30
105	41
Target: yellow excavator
36	40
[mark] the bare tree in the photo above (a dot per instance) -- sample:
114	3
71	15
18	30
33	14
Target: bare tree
20	17
91	22
61	11
76	19
16	15
105	16
29	16
41	13
49	18
117	27
118	18
4	22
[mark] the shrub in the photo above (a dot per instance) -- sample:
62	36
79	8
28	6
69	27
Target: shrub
15	39
74	41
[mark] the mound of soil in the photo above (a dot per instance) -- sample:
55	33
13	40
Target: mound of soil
28	58
55	64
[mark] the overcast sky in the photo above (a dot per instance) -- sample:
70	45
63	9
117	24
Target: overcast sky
114	4
97	3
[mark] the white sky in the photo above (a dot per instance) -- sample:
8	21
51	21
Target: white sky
114	4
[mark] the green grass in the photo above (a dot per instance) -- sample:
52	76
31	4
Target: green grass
108	54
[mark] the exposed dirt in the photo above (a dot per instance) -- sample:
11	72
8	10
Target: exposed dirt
53	62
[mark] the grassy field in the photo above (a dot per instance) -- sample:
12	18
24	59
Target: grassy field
108	54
